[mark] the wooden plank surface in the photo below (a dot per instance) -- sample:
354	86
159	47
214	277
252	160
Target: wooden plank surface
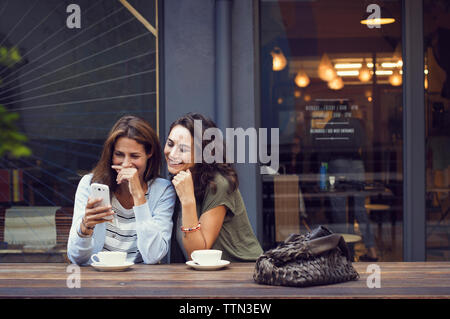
398	280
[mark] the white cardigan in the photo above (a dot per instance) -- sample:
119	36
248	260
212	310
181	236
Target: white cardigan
153	224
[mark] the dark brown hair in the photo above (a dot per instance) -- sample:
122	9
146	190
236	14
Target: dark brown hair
139	130
203	173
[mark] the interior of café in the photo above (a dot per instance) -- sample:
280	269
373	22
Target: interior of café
325	65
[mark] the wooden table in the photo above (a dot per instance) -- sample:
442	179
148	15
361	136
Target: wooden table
398	280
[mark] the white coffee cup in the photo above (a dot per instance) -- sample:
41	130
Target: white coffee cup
206	257
110	257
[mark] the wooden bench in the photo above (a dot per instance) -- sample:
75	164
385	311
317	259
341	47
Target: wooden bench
17	253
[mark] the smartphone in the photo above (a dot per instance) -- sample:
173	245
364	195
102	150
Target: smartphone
101	191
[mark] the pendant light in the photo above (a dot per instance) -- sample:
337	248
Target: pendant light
326	70
395	79
301	79
373	18
364	72
278	59
336	83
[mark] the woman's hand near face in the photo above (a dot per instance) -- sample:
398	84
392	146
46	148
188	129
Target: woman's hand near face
211	221
130	176
94	215
184	186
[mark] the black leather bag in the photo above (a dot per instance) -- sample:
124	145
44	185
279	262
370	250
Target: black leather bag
317	258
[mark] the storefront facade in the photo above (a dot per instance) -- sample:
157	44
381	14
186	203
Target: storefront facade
402	163
361	111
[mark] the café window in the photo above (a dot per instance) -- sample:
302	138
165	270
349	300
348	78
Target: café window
437	100
67	73
331	81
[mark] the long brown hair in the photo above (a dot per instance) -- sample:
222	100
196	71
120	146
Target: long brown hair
203	173
139	130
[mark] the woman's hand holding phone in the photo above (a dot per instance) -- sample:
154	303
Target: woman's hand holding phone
95	215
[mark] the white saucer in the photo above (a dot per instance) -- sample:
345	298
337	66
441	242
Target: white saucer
103	267
221	264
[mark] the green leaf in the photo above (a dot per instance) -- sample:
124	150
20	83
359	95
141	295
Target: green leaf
19	137
14	55
3	52
11	117
11	140
21	151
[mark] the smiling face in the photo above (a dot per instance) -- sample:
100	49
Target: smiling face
179	150
129	153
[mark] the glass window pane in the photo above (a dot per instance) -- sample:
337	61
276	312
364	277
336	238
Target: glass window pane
437	101
63	85
331	81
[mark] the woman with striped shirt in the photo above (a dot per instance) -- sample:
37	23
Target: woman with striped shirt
141	203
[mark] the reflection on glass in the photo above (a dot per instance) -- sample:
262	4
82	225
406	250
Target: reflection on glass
437	101
67	86
341	134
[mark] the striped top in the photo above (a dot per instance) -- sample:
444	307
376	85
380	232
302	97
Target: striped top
121	232
153	224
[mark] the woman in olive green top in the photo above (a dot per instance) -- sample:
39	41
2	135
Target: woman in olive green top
210	212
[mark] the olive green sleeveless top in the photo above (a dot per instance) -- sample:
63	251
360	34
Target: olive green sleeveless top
236	238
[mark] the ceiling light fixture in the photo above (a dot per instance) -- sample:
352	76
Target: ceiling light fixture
336	83
379	21
279	61
347	73
339	66
301	79
364	73
395	79
373	17
326	70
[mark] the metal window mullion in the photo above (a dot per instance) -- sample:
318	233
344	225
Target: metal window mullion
413	133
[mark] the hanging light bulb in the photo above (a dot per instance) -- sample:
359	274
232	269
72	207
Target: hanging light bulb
301	79
425	81
370	20
364	72
278	59
336	83
395	79
326	70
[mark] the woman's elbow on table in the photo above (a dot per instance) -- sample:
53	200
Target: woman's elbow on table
153	249
77	257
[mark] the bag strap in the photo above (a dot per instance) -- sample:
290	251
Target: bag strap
326	243
318	232
316	242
